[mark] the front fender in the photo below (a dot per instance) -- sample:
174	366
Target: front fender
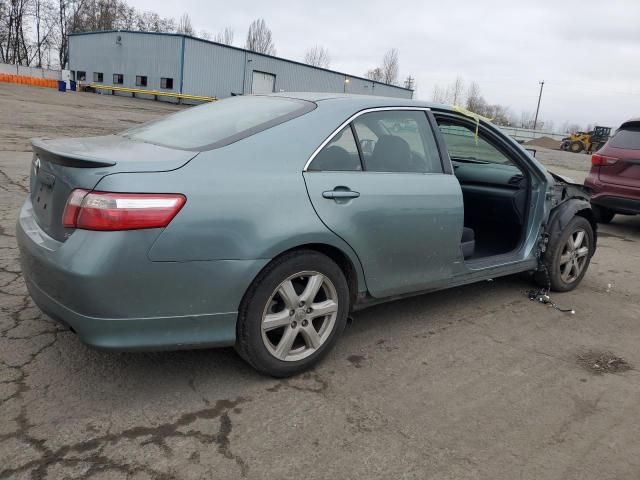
562	214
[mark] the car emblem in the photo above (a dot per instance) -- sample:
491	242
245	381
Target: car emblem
36	165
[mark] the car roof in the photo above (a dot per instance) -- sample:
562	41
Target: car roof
360	101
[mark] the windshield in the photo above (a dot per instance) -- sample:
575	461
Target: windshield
219	123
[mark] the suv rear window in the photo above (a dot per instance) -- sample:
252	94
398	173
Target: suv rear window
220	123
628	137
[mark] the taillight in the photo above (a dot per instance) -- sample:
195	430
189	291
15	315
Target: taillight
598	160
120	211
72	208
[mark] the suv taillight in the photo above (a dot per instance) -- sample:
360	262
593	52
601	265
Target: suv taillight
120	211
598	160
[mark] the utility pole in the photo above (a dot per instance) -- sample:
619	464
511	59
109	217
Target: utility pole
535	121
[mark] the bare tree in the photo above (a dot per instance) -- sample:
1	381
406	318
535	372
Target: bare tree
259	38
455	91
374	74
204	35
13	38
390	67
318	57
44	15
152	22
225	36
439	95
475	102
185	26
410	83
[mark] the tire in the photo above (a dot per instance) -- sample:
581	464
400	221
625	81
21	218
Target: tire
277	342
557	276
576	147
601	214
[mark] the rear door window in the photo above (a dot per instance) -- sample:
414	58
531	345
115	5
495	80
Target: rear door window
628	138
340	154
220	123
397	141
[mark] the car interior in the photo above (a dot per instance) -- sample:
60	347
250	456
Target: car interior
494	190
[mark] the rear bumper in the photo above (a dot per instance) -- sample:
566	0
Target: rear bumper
629	206
619	198
149	333
103	286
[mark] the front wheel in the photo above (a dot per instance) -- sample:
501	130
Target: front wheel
293	313
568	256
576	147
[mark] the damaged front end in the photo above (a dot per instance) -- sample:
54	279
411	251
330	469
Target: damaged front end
567	200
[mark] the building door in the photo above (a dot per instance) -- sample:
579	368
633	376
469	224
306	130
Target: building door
263	83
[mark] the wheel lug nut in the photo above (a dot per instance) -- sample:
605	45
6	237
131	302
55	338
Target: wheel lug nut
309	310
292	313
301	304
294	324
305	323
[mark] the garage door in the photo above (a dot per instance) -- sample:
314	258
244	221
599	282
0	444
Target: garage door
263	83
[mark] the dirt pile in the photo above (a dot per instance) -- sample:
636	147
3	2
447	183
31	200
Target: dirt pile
545	142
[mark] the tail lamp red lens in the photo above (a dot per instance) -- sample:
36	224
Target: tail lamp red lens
598	160
120	211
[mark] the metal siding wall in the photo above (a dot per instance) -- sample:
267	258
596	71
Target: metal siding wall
212	69
155	56
209	69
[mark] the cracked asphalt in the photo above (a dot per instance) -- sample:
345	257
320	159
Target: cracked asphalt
471	383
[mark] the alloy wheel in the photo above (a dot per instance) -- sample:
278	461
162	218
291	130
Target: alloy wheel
574	256
299	316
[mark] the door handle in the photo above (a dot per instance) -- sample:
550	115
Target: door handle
340	194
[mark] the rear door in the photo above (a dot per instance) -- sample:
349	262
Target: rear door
625	147
379	184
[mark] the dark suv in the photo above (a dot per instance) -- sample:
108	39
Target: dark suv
615	174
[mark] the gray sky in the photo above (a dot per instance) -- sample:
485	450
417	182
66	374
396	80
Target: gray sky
588	52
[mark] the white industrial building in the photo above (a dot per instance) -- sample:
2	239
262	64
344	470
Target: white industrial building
184	64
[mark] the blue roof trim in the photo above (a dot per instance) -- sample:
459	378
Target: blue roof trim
241	50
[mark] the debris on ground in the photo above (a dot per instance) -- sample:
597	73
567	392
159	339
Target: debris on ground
603	362
545	142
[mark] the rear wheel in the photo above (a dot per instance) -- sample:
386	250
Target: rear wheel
601	214
568	256
293	313
576	147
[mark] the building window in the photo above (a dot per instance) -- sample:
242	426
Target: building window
141	80
82	76
166	83
98	77
118	79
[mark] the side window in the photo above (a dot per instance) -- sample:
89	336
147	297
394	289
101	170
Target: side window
463	145
340	154
397	141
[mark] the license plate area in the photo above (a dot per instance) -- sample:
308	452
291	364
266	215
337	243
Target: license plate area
42	199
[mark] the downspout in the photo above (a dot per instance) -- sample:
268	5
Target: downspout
182	64
244	74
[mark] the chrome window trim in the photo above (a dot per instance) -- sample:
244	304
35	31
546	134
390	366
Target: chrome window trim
351	119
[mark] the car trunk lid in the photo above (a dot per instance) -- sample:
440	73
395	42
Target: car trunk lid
60	166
